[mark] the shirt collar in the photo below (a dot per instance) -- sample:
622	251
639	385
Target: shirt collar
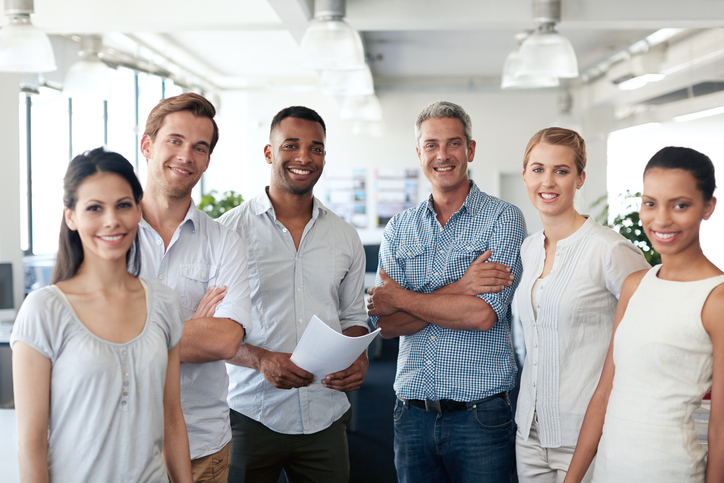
192	216
473	201
262	204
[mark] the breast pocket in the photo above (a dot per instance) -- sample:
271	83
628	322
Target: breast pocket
465	252
414	263
195	280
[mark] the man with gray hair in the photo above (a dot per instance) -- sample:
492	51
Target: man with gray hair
448	270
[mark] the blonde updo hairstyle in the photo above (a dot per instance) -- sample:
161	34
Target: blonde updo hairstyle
559	136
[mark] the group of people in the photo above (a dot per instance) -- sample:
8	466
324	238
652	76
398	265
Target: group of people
162	348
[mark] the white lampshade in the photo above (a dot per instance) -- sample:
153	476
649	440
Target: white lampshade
331	44
24	48
361	108
88	77
545	52
510	81
357	82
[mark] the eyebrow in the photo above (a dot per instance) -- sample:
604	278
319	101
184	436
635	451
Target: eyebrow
555	165
448	139
296	140
181	136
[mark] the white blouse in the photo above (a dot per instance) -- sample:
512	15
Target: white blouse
567	341
106	399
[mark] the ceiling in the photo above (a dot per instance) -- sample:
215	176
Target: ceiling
254	43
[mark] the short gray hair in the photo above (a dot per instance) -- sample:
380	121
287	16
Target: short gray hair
441	109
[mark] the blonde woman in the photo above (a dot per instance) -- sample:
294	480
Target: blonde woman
573	271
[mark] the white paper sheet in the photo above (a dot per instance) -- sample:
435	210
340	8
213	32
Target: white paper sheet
323	351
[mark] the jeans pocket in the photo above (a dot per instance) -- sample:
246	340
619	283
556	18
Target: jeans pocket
399	409
494	414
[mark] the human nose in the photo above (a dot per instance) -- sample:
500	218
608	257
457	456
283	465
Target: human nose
442	153
110	218
184	153
548	179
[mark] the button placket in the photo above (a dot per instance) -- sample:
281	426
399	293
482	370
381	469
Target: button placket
125	369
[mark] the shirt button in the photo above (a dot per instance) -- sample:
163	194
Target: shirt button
123	403
432	337
534	384
284	230
158	242
160	277
535	363
299	289
301	321
440	228
429	362
203	274
123	352
535	344
468	248
436	274
409	254
125	383
442	251
125	393
125	374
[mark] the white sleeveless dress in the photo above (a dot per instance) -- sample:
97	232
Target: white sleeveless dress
663	359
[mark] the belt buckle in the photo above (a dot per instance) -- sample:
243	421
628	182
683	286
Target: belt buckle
432	406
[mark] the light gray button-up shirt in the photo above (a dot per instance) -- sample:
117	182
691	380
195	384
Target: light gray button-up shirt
201	253
325	277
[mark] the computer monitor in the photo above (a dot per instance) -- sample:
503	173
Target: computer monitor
7	302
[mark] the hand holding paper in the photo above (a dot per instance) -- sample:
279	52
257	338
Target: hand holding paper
324	351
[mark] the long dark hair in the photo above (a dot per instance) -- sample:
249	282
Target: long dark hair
70	248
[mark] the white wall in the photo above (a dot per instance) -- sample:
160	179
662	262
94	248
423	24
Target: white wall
503	121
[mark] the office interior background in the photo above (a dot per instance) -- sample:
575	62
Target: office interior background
649	73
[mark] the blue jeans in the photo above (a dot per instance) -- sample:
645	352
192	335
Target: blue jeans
473	445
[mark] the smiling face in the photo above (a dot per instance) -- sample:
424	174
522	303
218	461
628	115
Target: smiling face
444	154
672	209
105	216
179	154
296	153
551	178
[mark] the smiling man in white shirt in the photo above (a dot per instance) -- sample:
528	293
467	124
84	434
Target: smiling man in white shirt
183	248
303	260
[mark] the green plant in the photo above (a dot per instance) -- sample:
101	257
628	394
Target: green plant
216	207
628	223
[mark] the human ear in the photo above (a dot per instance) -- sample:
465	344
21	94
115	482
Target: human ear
68	217
268	154
581	179
709	207
146	146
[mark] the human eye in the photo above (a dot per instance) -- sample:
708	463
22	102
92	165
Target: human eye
174	141
289	146
200	149
561	171
125	204
647	204
537	170
455	143
93	208
681	206
318	150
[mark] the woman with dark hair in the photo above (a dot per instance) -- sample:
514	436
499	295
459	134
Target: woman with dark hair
95	362
667	349
573	271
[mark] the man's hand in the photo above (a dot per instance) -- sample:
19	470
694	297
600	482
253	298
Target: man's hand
278	369
351	378
211	299
484	277
382	299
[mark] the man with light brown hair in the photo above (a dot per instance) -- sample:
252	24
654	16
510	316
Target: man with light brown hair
183	248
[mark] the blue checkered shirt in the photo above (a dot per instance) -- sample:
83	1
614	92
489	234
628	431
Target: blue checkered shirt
423	256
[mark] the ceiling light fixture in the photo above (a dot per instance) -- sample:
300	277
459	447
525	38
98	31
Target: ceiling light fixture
361	108
356	82
545	52
330	43
24	48
90	76
715	111
512	65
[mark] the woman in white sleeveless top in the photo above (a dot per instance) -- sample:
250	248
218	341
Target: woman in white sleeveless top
573	271
668	345
95	356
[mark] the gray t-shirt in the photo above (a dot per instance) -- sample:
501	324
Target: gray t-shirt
106	400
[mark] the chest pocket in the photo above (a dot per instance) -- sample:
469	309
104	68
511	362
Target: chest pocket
196	278
466	251
414	262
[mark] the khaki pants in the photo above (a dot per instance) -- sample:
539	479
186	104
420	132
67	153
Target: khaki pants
543	465
213	468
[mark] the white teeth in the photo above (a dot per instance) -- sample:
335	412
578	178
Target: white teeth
449	168
548	196
111	238
181	171
299	171
665	236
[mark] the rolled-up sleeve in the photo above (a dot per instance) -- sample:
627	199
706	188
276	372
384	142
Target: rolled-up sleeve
507	236
234	273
